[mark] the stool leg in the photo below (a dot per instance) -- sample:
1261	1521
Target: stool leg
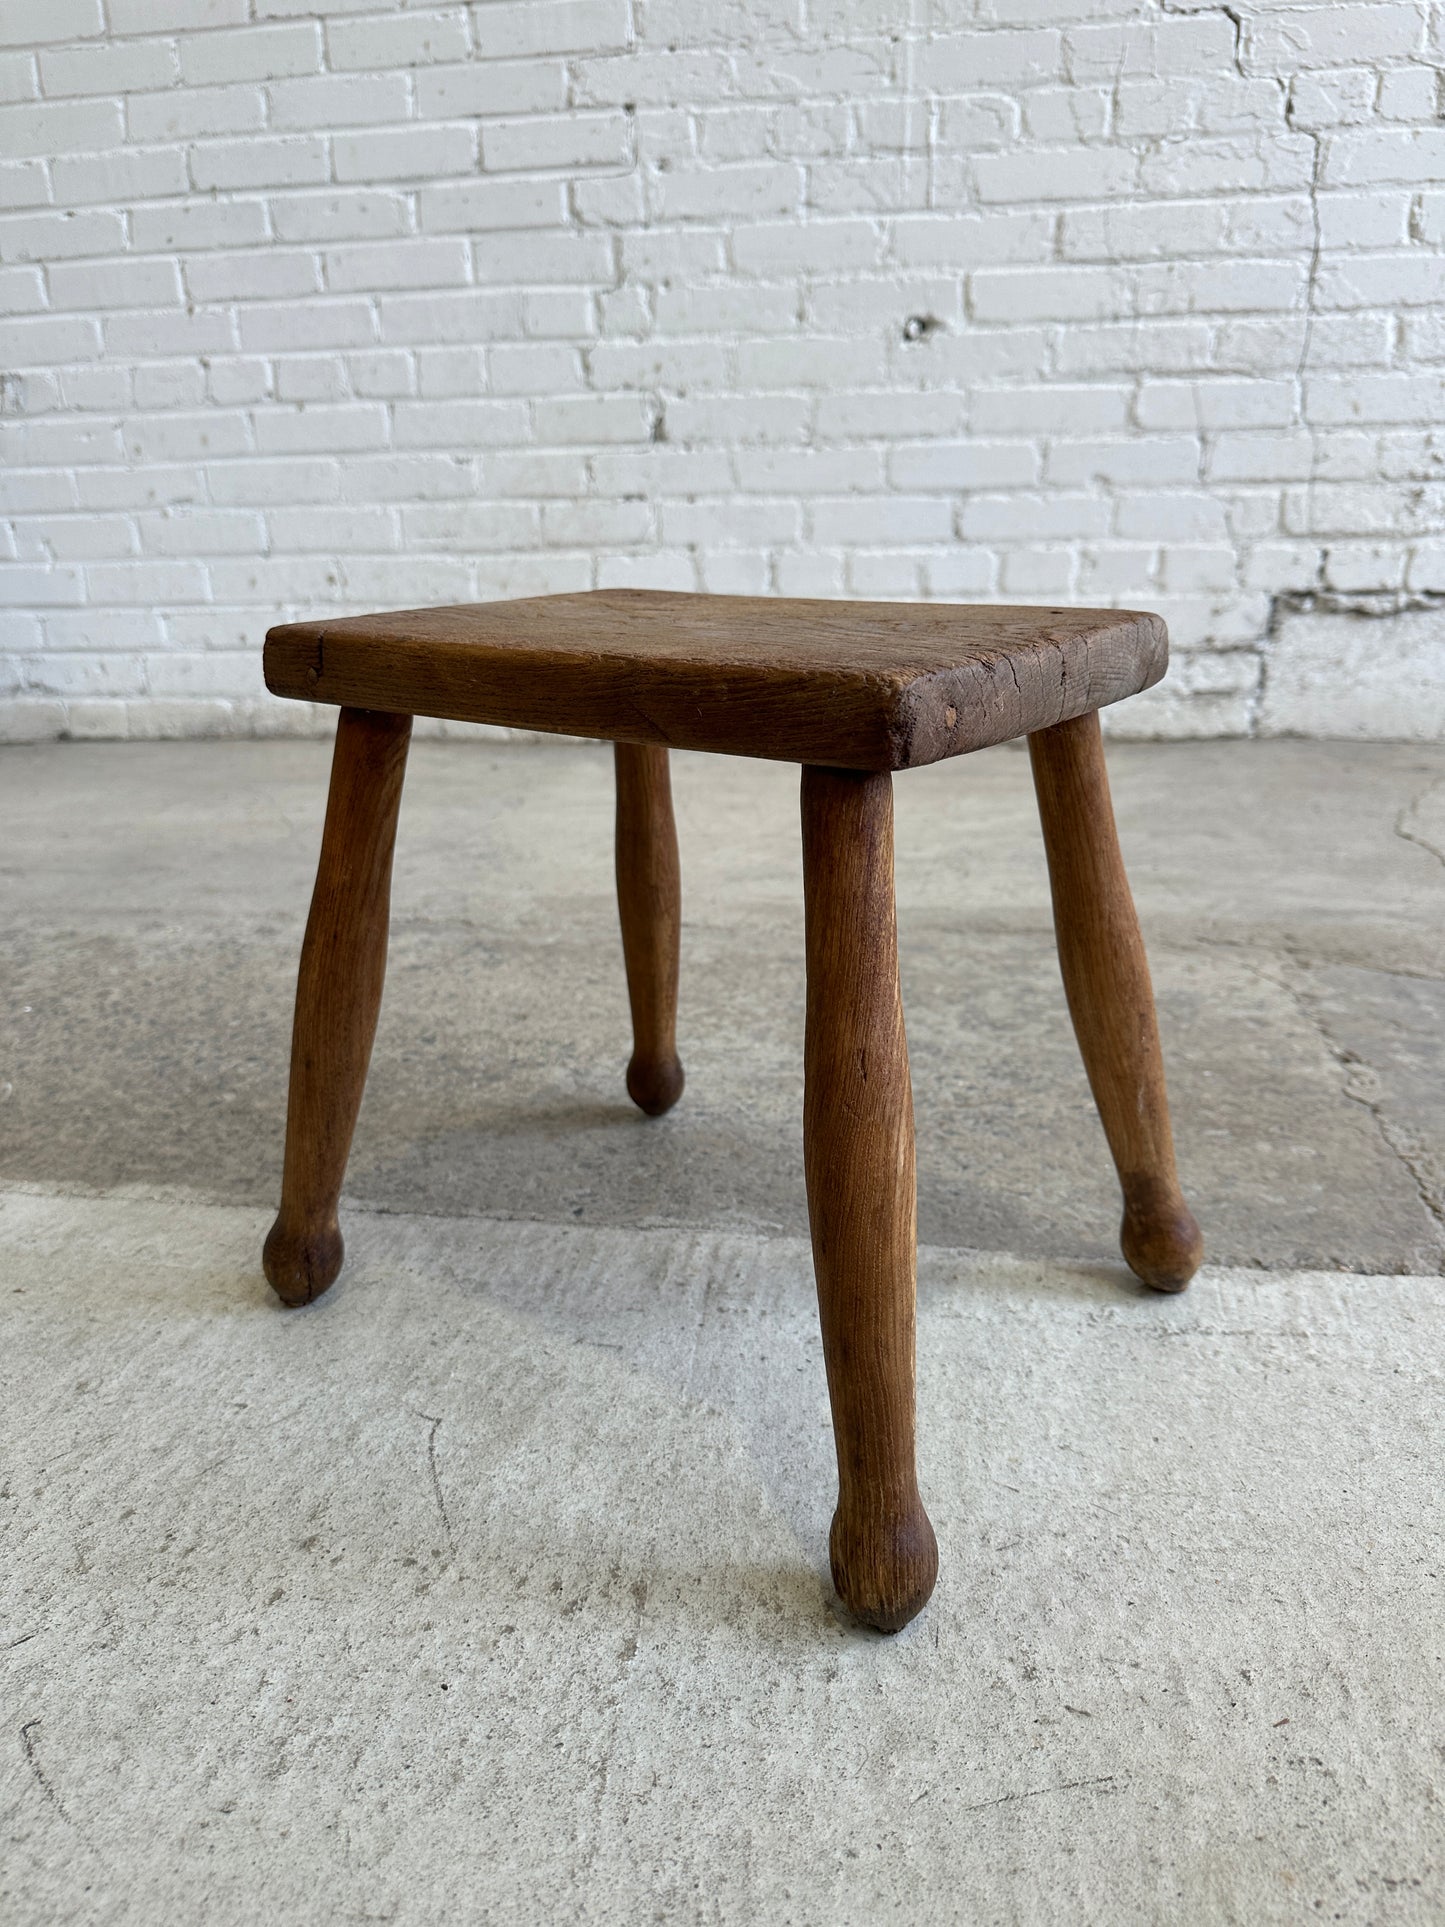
858	1154
1111	1000
649	904
338	995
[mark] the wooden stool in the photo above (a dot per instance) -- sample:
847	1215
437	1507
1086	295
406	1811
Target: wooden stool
852	691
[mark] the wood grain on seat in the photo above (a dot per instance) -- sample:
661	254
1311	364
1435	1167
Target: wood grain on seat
854	685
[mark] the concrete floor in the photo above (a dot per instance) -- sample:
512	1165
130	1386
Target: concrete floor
493	1586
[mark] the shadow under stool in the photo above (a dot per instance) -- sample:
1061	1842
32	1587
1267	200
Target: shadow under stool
851	691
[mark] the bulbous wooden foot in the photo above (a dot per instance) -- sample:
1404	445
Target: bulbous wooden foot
884	1570
300	1265
654	1086
1161	1243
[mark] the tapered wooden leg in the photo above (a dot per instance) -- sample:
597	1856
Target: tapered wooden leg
858	1154
1111	1000
649	903
338	995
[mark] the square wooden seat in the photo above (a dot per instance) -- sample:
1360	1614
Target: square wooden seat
852	685
851	691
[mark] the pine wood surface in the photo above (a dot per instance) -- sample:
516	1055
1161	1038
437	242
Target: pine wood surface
853	685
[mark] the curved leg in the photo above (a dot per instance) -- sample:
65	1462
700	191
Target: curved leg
338	995
649	903
858	1153
1111	1000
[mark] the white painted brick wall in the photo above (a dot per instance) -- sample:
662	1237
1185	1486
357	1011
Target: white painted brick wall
321	305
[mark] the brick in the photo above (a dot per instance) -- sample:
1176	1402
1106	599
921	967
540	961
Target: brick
726	192
311	324
466	424
1409	154
50	127
1381	280
259	274
485	206
251	53
1332	36
817	247
144	331
1380	219
1403	397
114	68
1033	518
451	315
19	77
321	430
1060	174
1409	94
535	368
409	263
23	184
332	531
281	161
22	290
339	215
114	284
174	384
1215	404
105	488
165	16
339	100
1061	410
310	378
404	153
527	259
398	41
57	237
262	484
1160	461
83	538
170	438
191	225
870	520
1060	293
958	63
574	140
510	28
133	174
29	22
1338	99
956	467
970	241
594	418
148	583
469	526
492	87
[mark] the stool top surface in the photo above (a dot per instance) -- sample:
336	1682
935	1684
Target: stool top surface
855	685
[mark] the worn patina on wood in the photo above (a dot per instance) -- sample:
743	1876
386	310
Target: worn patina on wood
852	685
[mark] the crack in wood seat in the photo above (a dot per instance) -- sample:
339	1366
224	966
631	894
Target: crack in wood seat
853	685
852	691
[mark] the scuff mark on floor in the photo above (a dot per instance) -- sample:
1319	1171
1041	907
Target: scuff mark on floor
436	1483
1408	835
32	1760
